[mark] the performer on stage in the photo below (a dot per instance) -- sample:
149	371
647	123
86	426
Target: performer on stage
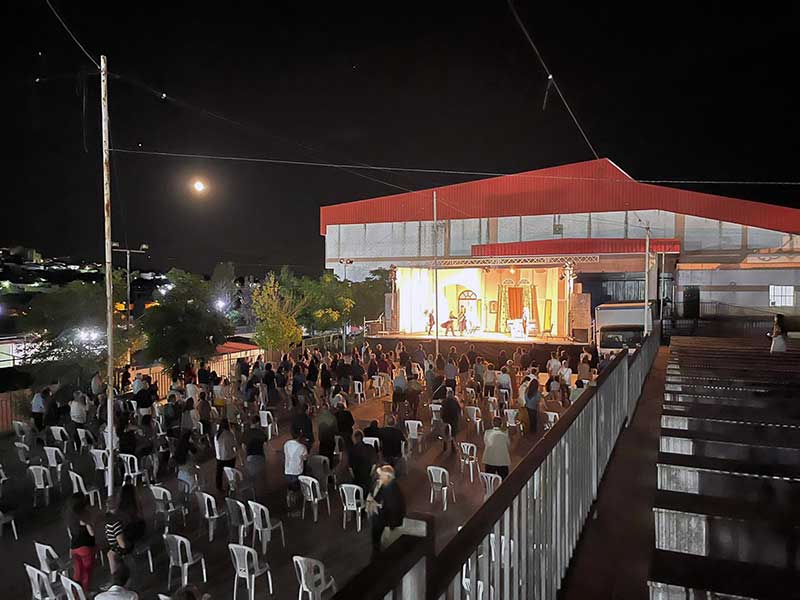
449	325
431	321
462	321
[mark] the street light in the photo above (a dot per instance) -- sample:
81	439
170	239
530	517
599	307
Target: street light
345	262
220	304
143	248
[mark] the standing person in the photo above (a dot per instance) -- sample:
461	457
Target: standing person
489	380
203	408
431	322
566	373
82	546
362	457
392	438
450	374
585	369
479	371
344	421
295	455
327	430
472	356
504	383
497	446
386	506
413	392
532	398
451	415
38	407
126	378
778	335
224	450
418	356
463	372
325	380
255	446
78	410
553	365
302	428
97	384
124	526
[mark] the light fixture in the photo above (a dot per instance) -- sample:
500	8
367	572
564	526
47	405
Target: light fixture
220	304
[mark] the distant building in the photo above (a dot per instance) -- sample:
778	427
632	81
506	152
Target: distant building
504	245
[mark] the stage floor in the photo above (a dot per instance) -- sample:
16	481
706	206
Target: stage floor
479	337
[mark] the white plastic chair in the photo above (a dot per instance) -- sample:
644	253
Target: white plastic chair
552	418
3	479
165	505
352	500
79	485
181	557
247	566
512	420
23	452
263	525
268	422
22	430
439	478
311	577
41	586
208	506
100	460
60	436
469	458
414	432
320	468
237	483
436	414
338	447
313	493
50	563
374	442
505	396
42	482
377	385
490	482
238	517
491	402
474	415
130	463
56	460
86	440
8	519
471	395
72	589
358	392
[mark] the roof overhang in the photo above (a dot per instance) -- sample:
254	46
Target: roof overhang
577	246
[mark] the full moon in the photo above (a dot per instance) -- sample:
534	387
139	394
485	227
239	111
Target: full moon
199	186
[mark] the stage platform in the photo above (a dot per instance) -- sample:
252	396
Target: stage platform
488	345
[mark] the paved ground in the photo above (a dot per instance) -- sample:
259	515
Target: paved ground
612	559
344	552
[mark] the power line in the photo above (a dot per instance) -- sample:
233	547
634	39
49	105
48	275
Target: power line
72	35
550	77
307	163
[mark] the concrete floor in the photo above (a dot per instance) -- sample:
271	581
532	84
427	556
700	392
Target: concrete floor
344	552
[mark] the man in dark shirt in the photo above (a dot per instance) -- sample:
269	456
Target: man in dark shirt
373	430
344	423
301	423
527	358
451	415
392	439
362	457
419	356
357	371
203	374
255	443
386	504
472	355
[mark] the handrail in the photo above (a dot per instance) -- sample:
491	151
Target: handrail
477	527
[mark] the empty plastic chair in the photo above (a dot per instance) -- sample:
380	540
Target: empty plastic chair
436	414
269	423
474	415
505	395
8	519
512	419
247	566
86	440
469	458
91	492
491	402
60	437
23	452
320	469
352	501
471	395
358	392
374	442
166	506
263	525
41	586
3	479
50	562
311	577
377	385
208	506
338	447
181	557
100	460
313	493
72	589
490	482
130	463
439	478
42	483
414	431
22	430
237	483
238	517
55	460
551	419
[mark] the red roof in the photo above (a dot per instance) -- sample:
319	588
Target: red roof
231	347
577	246
591	186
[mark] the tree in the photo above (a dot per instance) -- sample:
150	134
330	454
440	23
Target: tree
185	323
69	325
223	287
329	300
369	296
277	308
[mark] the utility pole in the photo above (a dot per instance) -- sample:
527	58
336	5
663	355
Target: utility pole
115	247
345	262
109	279
436	274
646	324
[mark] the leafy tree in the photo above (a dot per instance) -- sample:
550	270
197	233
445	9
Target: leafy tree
223	287
329	300
69	325
369	296
185	323
277	308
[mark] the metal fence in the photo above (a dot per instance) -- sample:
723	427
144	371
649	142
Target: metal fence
519	542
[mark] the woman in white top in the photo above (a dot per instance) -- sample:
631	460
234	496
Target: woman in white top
566	373
78	411
778	335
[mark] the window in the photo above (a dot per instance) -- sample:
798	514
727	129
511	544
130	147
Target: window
781	295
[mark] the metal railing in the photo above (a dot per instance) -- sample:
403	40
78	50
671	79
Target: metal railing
519	542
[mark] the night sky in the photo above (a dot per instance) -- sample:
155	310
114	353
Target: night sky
685	92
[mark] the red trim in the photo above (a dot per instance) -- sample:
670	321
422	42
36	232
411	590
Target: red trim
592	186
232	347
577	246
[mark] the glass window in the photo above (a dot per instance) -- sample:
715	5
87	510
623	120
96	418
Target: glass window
781	295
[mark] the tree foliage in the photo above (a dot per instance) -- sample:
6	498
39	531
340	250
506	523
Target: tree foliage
369	296
329	301
185	323
277	308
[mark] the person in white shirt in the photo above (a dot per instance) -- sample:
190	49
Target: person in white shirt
118	591
97	384
496	453
192	391
504	381
566	373
78	411
138	384
295	454
553	365
39	407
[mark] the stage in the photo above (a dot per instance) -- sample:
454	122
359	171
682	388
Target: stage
487	344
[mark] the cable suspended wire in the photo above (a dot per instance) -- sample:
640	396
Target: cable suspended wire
308	163
72	35
550	77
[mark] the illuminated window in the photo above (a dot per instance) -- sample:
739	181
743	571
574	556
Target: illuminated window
781	295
